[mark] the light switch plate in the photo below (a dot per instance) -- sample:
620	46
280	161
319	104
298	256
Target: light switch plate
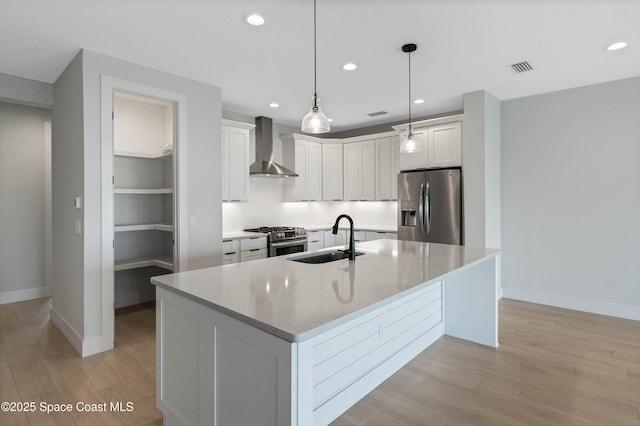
77	202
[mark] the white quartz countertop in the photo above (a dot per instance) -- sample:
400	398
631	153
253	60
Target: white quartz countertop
296	301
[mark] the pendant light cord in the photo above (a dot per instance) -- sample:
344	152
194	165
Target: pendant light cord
409	93
315	60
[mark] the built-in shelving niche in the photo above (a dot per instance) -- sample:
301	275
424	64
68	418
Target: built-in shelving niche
144	201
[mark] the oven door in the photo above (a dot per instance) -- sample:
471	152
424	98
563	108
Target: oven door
287	247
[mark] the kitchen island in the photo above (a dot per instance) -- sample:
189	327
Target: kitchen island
279	342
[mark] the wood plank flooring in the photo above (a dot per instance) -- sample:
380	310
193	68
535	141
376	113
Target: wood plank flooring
38	364
553	367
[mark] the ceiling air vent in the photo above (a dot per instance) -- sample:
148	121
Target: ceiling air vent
375	114
521	67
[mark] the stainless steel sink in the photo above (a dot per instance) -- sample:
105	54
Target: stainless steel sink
323	256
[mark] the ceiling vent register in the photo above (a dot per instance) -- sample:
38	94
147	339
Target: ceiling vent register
521	67
377	113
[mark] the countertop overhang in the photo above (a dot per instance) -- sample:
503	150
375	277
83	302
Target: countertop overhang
297	301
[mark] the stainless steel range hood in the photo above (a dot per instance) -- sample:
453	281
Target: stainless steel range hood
264	164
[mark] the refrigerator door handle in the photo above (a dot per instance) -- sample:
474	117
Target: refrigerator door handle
421	207
427	215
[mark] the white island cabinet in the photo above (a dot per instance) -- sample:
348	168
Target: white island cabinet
279	342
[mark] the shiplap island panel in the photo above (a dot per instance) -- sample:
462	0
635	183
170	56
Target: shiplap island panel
278	342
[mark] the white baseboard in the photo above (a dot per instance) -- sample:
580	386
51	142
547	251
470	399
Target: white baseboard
67	330
22	295
85	347
133	298
576	303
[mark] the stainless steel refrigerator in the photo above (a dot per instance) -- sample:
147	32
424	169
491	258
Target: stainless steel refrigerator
430	206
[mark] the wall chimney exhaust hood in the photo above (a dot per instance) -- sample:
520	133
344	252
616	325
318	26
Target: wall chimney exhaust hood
264	164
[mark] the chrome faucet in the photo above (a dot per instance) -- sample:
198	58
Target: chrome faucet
352	242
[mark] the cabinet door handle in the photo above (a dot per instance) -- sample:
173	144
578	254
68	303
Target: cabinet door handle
233	252
254	250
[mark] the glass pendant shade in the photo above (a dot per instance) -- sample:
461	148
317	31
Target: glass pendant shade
315	121
410	145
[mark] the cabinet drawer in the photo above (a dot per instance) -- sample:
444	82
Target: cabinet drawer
359	236
253	254
345	357
230	258
315	245
253	243
229	246
377	235
314	235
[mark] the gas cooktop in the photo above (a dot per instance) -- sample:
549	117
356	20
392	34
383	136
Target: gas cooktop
278	233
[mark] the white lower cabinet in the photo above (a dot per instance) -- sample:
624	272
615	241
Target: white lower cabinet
358	236
230	258
236	250
230	251
341	238
206	359
315	240
253	254
379	235
329	238
253	248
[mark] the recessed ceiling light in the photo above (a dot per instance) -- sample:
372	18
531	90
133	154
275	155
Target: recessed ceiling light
255	19
350	66
274	105
617	45
331	119
418	101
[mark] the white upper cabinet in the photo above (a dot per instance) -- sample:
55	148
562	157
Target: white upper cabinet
441	147
305	158
359	171
445	145
235	160
351	174
386	168
332	172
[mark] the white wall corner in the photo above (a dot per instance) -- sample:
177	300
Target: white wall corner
85	347
600	307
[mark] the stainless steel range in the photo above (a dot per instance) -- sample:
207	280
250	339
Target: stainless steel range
283	240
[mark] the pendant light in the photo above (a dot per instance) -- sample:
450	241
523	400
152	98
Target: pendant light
410	144
315	121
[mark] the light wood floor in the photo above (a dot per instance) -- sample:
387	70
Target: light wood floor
553	366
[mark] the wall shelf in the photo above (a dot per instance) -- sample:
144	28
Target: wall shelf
164	262
143	191
144	227
152	155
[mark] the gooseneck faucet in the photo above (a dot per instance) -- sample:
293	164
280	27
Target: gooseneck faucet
352	241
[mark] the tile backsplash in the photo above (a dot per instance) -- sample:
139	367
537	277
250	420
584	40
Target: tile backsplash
266	208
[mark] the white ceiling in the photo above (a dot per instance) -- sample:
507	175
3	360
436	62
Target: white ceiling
463	46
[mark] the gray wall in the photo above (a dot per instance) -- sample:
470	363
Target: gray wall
78	110
23	201
24	91
67	168
571	198
481	169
